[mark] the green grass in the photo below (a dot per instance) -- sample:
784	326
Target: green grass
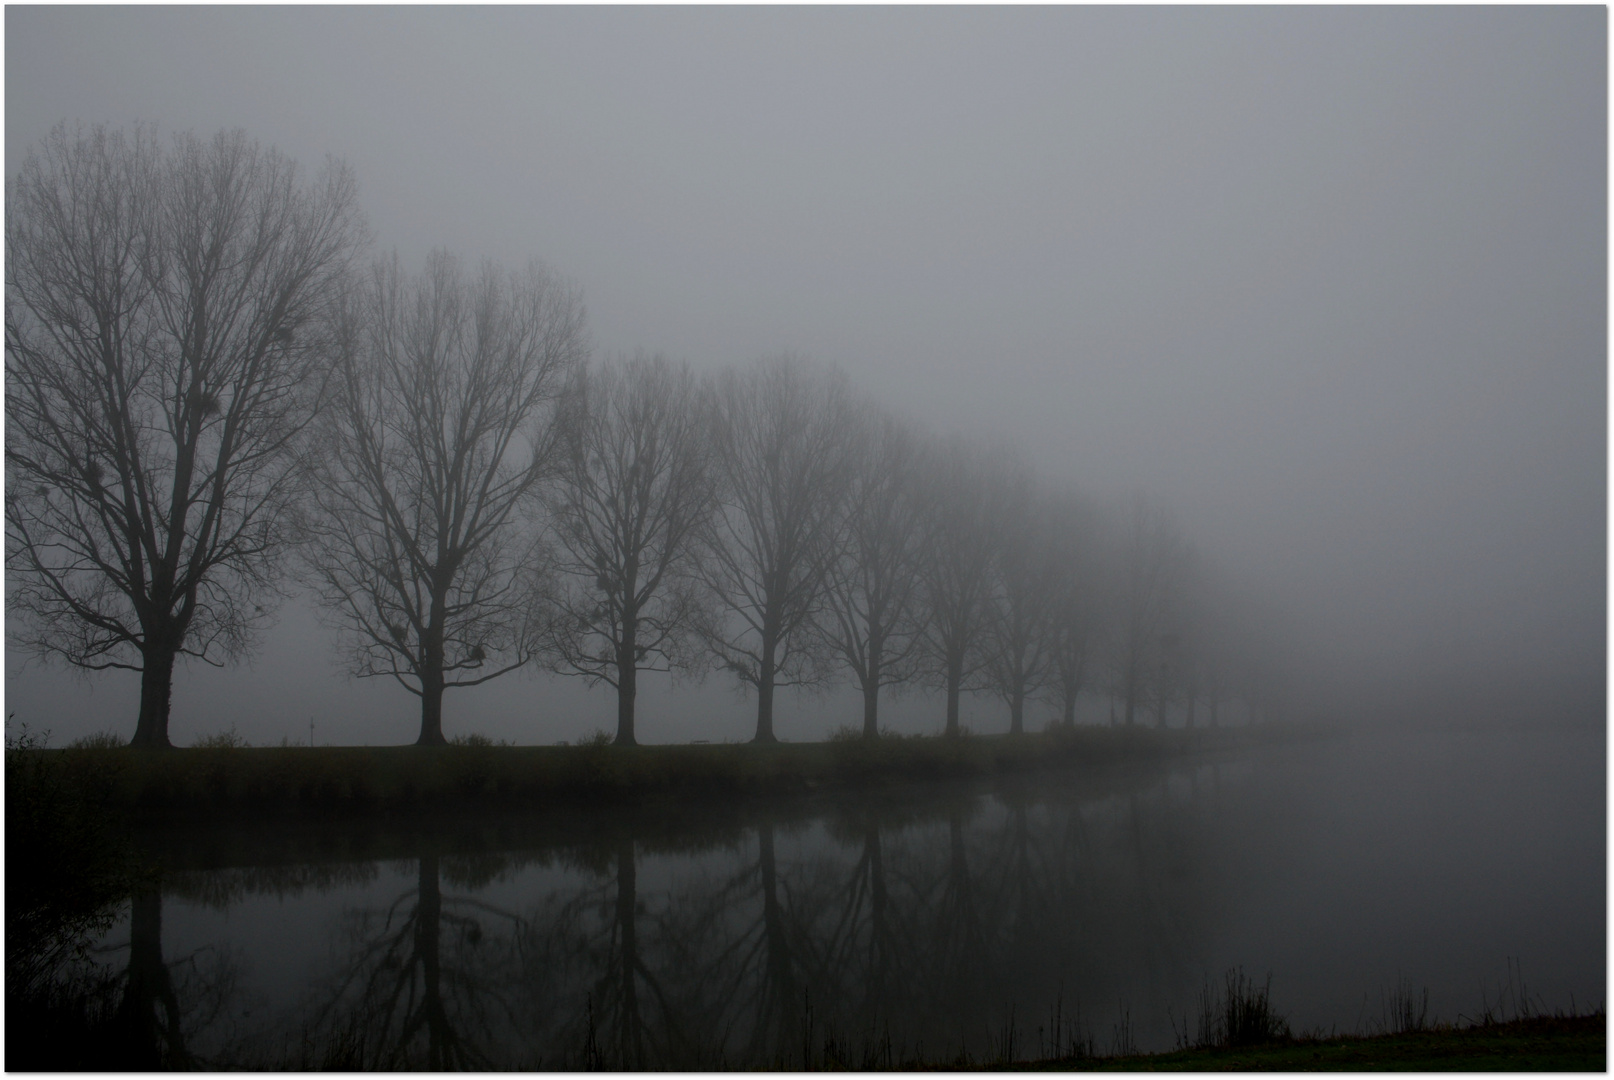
327	779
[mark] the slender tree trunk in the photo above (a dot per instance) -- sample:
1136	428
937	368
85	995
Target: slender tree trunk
765	693
1068	714
871	690
1017	712
627	686
431	679
156	692
1131	693
955	677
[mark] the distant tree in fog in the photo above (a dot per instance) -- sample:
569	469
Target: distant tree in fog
781	461
966	511
166	337
1026	571
1076	602
871	612
1152	575
634	488
442	421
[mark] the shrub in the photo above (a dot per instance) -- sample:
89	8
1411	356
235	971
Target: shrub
101	740
596	738
1241	1015
222	740
846	733
472	739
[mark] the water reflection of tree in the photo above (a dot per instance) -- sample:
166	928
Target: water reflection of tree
430	983
595	932
164	1008
937	920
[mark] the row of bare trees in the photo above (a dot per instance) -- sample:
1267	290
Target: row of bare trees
204	378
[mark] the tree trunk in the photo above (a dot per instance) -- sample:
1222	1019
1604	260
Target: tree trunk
627	689
871	691
431	707
765	695
1017	713
156	692
1068	716
955	676
1131	696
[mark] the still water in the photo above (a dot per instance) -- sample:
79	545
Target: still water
922	923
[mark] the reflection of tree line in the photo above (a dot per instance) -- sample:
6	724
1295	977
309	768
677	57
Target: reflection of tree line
925	930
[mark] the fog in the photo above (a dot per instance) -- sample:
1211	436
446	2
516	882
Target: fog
1330	283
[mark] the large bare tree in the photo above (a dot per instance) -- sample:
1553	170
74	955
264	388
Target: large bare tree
165	341
442	420
635	486
871	613
781	463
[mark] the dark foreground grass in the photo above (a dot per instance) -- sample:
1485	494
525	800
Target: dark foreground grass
1536	1044
323	780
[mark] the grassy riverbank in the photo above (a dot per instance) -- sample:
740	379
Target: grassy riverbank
1535	1044
334	779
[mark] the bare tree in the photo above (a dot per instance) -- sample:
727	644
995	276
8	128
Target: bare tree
1026	574
165	338
1076	602
1153	570
965	510
781	462
442	421
635	487
871	611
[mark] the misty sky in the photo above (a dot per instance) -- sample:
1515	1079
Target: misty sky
1330	282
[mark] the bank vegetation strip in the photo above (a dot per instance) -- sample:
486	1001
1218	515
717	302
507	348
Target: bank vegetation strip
357	779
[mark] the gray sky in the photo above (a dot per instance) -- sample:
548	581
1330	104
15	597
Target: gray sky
1331	282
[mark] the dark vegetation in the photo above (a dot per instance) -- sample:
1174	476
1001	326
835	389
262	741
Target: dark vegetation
302	780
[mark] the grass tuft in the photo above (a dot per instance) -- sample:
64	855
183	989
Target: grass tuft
223	740
1239	1015
101	740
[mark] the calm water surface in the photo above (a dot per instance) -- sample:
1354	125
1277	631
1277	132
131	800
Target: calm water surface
926	922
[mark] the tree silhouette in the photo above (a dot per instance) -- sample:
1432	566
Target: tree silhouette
781	431
635	487
167	334
441	424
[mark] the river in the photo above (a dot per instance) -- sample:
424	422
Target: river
937	923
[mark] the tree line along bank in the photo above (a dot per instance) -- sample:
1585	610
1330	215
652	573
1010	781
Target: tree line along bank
213	390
